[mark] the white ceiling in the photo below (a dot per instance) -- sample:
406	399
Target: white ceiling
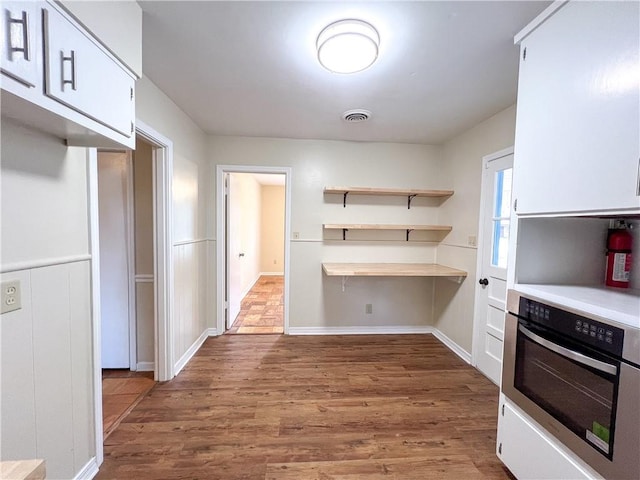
250	68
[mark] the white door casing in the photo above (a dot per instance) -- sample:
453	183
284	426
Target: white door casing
114	209
493	246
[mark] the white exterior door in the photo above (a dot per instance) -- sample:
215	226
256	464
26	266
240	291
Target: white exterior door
491	290
234	246
114	267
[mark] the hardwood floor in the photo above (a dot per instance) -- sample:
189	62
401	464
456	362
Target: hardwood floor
121	391
311	408
262	308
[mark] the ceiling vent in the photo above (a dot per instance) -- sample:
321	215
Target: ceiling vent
355	116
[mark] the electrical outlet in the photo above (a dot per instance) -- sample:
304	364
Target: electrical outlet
296	235
368	309
11	297
472	241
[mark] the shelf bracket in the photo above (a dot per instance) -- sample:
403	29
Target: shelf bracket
344	233
344	282
409	198
408	231
457	279
344	199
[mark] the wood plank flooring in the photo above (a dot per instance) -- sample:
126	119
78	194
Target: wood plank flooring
313	408
121	391
262	308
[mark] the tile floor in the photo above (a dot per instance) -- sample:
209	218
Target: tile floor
262	308
121	391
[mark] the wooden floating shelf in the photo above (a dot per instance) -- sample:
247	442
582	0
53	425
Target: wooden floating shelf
410	193
377	226
390	270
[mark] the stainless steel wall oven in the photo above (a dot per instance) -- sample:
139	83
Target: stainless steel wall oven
578	376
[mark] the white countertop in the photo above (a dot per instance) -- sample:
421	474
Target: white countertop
619	305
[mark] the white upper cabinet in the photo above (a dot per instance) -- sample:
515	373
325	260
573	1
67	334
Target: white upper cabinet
18	32
577	144
81	76
57	77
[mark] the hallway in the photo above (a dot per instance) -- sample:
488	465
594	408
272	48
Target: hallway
262	308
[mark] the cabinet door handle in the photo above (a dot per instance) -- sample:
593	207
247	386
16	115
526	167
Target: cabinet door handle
24	22
71	59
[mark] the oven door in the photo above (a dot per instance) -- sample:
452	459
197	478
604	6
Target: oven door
577	387
576	395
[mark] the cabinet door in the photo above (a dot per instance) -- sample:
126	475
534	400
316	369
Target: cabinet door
578	121
79	74
528	454
19	33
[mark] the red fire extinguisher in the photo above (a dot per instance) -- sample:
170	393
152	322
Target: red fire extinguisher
619	245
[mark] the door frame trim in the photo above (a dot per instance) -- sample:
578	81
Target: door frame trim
220	236
475	344
163	264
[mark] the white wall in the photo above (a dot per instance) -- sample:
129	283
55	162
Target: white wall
316	300
272	229
462	169
144	269
194	298
113	206
47	373
118	24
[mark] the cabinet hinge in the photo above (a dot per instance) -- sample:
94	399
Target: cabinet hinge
132	128
515	205
131	98
500	449
524	54
503	409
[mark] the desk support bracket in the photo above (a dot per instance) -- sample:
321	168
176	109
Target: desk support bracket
409	198
344	233
344	200
408	231
344	283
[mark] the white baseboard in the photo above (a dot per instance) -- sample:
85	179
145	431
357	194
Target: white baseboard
453	346
361	330
212	332
89	471
190	352
272	274
145	367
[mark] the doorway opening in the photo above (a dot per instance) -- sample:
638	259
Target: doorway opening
160	281
253	217
255	213
127	230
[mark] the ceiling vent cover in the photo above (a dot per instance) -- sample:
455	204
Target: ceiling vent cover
355	116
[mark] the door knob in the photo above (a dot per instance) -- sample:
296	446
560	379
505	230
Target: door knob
483	281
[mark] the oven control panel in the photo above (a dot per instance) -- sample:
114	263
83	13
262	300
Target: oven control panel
585	330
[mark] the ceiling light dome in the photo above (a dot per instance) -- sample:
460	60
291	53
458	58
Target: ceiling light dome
348	46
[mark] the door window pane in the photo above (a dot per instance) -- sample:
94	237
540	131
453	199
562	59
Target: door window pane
502	213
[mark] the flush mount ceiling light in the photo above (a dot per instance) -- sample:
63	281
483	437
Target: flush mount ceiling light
348	46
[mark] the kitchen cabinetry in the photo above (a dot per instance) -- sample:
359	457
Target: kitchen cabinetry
577	145
18	31
80	92
529	453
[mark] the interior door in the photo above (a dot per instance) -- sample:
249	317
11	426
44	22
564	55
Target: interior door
491	290
234	249
114	273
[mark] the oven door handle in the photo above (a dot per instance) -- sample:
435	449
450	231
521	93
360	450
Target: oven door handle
565	352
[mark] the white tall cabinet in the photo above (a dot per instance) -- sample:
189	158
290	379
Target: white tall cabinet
578	119
576	166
